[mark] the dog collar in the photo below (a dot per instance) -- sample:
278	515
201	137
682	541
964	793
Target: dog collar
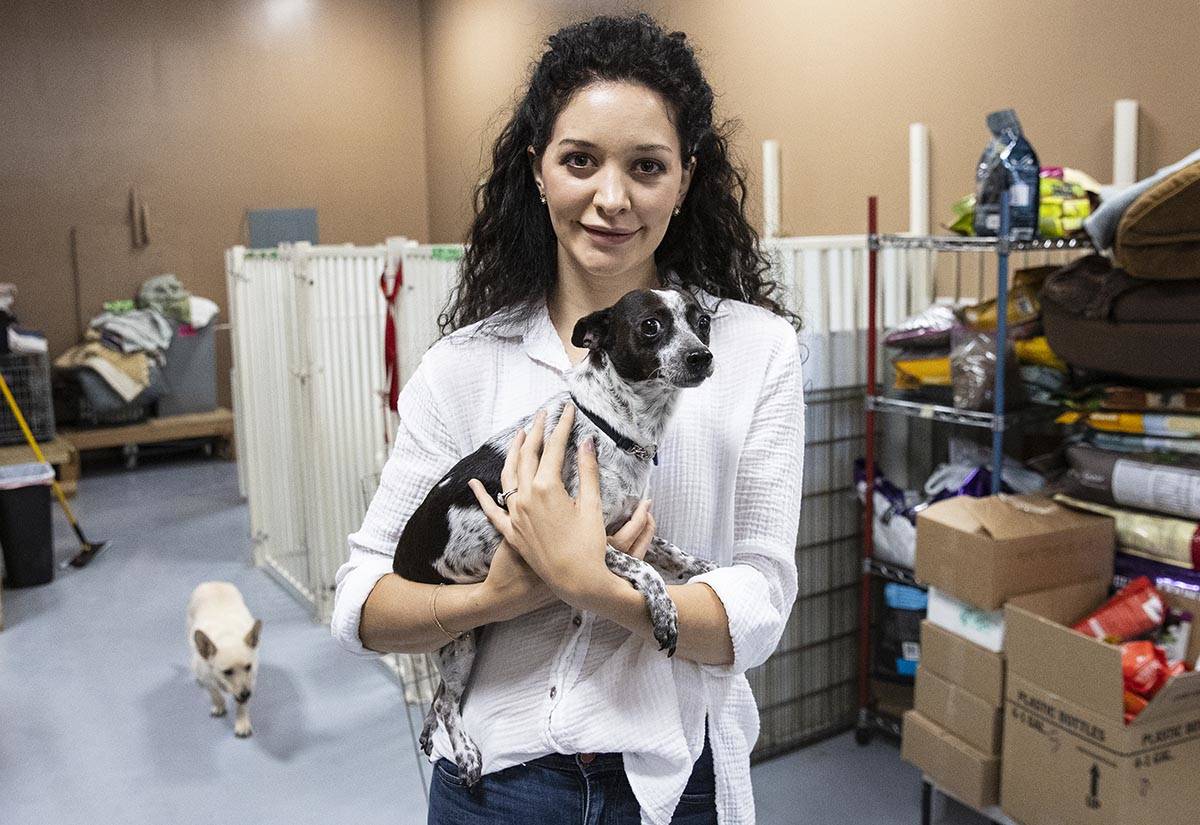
630	446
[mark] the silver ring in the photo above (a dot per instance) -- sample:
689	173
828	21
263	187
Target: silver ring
501	498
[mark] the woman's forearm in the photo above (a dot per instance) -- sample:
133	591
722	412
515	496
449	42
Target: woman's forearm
397	616
703	626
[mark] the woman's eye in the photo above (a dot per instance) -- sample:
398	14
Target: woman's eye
577	159
650	167
651	327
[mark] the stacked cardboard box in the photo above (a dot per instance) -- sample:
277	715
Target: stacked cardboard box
976	554
1069	756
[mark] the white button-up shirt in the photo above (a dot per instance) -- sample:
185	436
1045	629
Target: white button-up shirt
727	487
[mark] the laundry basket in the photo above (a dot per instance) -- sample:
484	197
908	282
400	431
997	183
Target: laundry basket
417	673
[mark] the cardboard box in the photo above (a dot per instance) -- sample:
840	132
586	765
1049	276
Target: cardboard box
966	774
1069	757
956	659
983	627
985	550
958	711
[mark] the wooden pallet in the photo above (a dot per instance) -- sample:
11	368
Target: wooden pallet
216	425
59	452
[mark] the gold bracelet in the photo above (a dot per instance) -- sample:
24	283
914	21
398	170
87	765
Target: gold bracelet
433	609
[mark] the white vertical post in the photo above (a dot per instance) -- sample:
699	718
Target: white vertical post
918	179
770	184
1125	140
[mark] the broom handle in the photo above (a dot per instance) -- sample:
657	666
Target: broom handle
33	445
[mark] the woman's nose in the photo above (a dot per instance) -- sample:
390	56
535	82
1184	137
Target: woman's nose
612	196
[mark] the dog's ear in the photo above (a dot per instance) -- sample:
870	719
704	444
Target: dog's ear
255	632
204	644
590	330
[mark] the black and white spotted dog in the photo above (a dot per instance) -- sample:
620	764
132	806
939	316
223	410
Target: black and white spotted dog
643	349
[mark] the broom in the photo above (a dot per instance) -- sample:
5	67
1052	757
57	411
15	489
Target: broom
88	549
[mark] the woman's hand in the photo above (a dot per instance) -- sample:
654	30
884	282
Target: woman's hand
511	586
634	538
561	538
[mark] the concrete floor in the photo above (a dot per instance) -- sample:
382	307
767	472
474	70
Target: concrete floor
100	721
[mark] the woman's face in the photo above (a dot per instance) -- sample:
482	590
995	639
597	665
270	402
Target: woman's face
612	174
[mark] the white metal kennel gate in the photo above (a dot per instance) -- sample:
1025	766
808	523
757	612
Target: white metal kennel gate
313	432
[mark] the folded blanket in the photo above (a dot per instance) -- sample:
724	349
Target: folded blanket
166	294
143	330
128	374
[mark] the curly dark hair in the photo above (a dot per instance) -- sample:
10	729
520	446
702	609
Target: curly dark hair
511	258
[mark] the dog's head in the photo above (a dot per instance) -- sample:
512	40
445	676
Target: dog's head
656	335
235	663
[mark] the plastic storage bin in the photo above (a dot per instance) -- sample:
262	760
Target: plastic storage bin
190	372
26	531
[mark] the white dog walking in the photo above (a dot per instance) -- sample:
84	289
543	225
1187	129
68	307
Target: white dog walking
224	637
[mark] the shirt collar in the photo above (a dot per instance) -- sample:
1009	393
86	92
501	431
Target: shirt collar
541	342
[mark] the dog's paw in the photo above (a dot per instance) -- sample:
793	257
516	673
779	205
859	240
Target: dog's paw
666	627
426	740
470	764
217	711
242	731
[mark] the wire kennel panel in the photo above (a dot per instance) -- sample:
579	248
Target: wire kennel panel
807	691
269	408
347	390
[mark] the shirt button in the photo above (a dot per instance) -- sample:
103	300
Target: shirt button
577	621
553	692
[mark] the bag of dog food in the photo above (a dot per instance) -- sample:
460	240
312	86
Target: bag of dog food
1008	164
1136	609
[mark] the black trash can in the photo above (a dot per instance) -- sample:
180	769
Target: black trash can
26	528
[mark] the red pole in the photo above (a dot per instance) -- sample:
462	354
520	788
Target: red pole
868	547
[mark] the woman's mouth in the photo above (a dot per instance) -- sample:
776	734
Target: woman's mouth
608	237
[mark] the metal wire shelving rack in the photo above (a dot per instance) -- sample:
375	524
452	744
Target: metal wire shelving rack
999	421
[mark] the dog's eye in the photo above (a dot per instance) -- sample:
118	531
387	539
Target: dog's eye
651	327
702	322
248	668
228	671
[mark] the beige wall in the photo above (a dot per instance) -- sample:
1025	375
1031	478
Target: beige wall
381	114
209	109
838	83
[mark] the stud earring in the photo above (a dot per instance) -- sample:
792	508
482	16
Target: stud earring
542	197
676	211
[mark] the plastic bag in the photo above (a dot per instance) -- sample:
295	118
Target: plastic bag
1008	164
973	372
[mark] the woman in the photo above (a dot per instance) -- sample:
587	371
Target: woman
610	176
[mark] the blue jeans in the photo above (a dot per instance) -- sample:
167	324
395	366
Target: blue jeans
582	789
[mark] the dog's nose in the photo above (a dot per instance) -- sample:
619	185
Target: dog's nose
243	696
699	359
